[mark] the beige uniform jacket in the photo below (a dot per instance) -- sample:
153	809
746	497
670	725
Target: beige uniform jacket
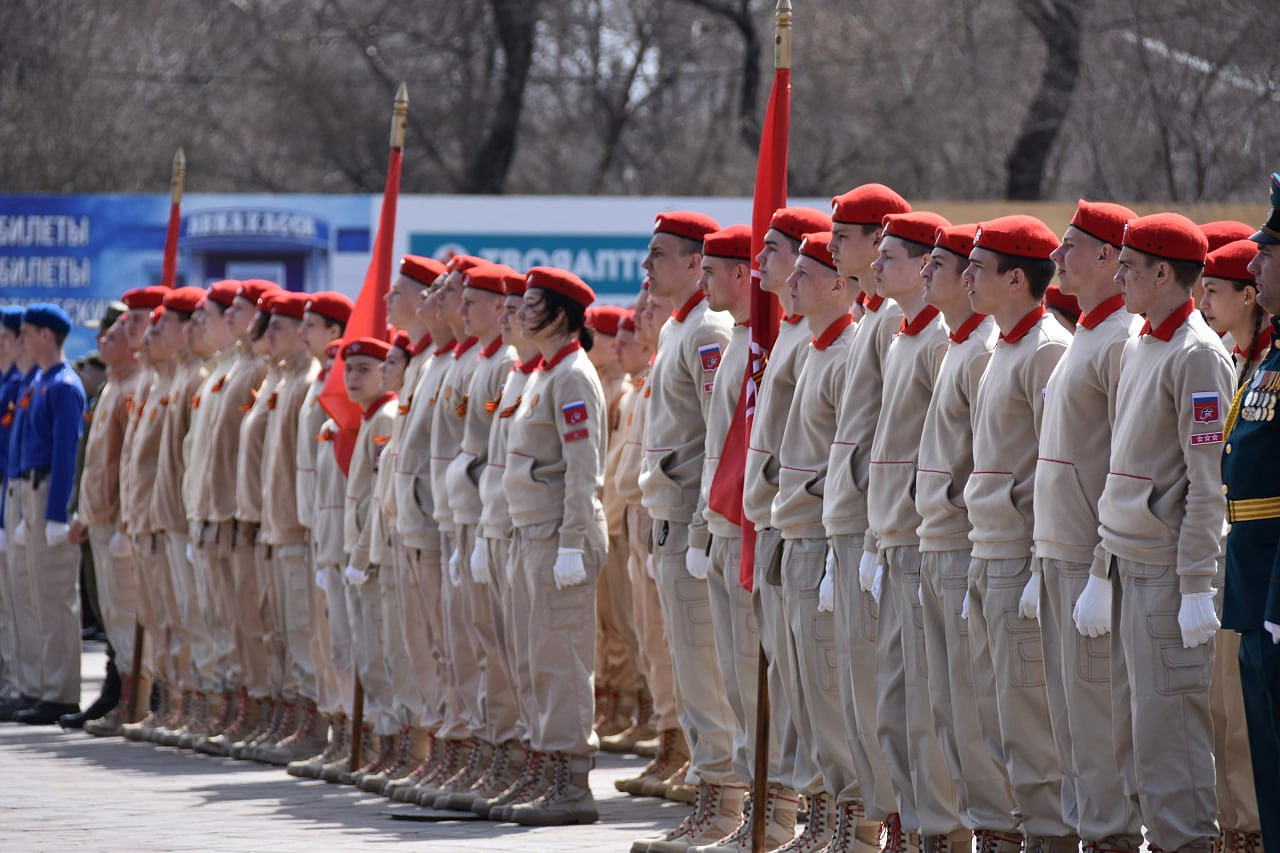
382	517
375	432
1075	434
253	433
100	478
844	510
627	476
137	461
773	401
280	524
805	450
195	447
1006	433
615	508
167	510
910	369
1162	503
690	349
946	441
311	419
724	403
483	396
448	422
412	476
495	520
556	448
229	400
330	503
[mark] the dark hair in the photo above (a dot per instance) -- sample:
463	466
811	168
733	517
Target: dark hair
555	305
687	245
259	326
60	337
330	323
1038	271
1185	273
914	249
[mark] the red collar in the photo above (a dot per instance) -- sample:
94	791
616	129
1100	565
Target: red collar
421	345
444	348
683	311
1091	319
527	367
962	334
871	301
565	351
792	319
832	332
1025	325
1171	324
493	347
378	404
1260	346
461	349
916	326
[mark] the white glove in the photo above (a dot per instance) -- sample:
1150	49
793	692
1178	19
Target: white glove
649	567
867	571
826	592
1093	608
321	581
697	563
480	562
920	593
1274	630
877	583
1029	604
56	533
964	606
191	554
569	569
20	534
354	576
119	546
1197	618
455	568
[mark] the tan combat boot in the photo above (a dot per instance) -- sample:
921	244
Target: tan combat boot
567	801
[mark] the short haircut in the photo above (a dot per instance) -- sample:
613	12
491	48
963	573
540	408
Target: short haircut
258	327
686	246
1038	271
914	249
1185	273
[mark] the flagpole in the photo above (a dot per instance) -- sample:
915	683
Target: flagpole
177	183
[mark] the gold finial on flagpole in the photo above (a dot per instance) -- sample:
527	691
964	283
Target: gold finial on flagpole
179	178
782	36
398	113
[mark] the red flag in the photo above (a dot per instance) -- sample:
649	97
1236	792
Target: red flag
725	495
169	269
368	318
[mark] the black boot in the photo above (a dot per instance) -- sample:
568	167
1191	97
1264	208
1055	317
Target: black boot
107	699
9	707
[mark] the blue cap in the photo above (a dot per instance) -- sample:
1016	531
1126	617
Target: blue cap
11	318
47	316
1269	233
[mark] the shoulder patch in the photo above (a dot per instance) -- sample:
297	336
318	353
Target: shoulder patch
1206	407
710	356
575	412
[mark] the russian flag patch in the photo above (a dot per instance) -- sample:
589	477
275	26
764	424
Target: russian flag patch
710	355
575	412
1206	407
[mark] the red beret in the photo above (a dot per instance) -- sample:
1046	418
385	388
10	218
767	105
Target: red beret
157	313
514	284
401	341
817	245
1220	232
733	242
605	319
184	299
370	347
1167	235
796	222
1232	261
224	292
331	305
422	270
561	281
331	348
629	320
867	205
918	226
956	238
463	262
688	224
1102	220
1066	303
254	288
490	278
290	304
1018	235
144	297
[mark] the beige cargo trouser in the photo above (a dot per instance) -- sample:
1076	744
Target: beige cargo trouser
405	698
253	630
423	630
293	581
364	609
54	574
507	703
117	595
464	656
617	655
20	672
651	627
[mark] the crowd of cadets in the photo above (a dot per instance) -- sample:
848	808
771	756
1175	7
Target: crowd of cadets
992	553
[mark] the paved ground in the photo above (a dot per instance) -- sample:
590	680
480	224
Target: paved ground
64	791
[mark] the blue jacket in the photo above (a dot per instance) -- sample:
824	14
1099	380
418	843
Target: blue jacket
51	434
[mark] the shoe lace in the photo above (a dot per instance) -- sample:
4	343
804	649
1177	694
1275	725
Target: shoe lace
891	833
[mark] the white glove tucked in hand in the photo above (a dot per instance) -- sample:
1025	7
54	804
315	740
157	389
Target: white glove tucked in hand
649	568
1092	612
569	569
480	562
964	606
191	554
20	534
321	581
354	576
920	594
867	571
56	533
1029	604
455	568
1197	618
1274	630
119	546
878	583
697	563
826	593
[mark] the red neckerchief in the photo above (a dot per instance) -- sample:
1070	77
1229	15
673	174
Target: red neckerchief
1260	346
962	334
493	347
1091	319
1025	325
421	345
527	367
461	349
832	332
444	348
792	319
682	312
872	301
916	326
378	404
1171	324
565	351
